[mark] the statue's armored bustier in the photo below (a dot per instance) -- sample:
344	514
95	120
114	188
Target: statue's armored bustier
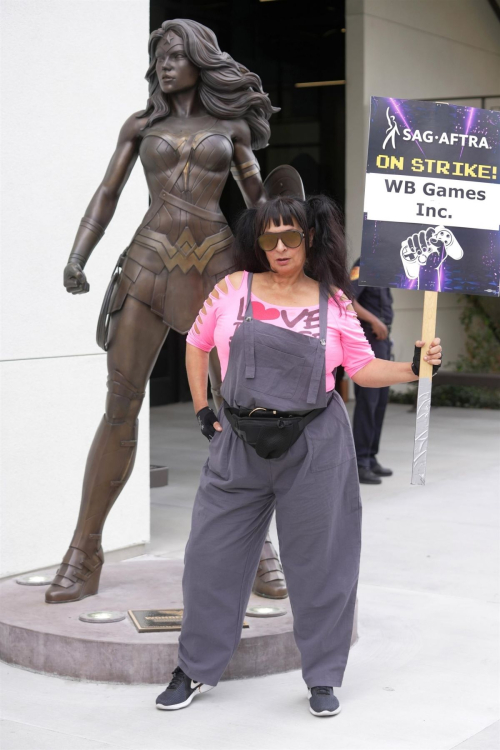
182	247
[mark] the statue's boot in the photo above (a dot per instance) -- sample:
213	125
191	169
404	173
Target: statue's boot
79	573
270	580
109	465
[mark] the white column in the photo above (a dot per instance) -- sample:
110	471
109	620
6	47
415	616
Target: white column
73	71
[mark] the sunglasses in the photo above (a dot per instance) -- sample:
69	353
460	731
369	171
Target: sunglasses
290	238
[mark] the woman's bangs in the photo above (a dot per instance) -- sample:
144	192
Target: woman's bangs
281	211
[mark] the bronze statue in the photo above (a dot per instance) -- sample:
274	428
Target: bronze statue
205	115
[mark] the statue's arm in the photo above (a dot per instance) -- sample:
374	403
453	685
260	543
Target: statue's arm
103	204
245	168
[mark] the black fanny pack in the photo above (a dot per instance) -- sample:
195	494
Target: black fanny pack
270	432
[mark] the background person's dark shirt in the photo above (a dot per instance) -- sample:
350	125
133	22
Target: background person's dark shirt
377	300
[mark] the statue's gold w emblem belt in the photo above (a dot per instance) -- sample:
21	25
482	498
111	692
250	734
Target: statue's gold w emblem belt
185	253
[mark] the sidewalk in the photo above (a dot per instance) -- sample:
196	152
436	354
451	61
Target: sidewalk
423	675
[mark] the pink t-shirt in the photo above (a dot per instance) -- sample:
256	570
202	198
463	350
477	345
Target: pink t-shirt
346	343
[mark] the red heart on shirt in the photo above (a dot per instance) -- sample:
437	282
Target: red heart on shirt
264	313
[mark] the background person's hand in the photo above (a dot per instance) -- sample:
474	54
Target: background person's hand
380	330
433	356
75	280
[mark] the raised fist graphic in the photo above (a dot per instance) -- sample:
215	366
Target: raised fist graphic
416	249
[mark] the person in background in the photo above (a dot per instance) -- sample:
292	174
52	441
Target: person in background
373	306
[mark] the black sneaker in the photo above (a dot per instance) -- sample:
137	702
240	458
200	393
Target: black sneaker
366	476
180	692
322	701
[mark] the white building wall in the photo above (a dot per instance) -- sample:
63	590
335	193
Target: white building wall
73	71
423	49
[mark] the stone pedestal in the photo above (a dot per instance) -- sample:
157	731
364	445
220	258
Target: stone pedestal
50	638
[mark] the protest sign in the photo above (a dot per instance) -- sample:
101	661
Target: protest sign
431	214
432	198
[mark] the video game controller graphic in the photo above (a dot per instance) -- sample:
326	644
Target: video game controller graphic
416	249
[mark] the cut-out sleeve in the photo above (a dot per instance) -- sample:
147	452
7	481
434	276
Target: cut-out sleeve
202	331
357	352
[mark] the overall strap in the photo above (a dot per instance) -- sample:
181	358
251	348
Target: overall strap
323	314
249	332
248	309
319	358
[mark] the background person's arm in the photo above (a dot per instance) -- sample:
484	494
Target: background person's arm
379	328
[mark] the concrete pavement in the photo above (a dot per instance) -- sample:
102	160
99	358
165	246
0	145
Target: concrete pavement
423	675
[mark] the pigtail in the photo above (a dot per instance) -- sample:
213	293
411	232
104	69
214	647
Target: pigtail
245	241
327	258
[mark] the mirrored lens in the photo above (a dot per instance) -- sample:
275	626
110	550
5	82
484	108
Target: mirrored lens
268	242
291	238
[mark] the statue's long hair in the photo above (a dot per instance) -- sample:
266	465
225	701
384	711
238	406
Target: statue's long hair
227	90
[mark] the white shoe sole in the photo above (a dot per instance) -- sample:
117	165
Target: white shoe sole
322	713
177	706
325	713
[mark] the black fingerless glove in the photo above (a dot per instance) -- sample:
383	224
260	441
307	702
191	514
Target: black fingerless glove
415	365
206	419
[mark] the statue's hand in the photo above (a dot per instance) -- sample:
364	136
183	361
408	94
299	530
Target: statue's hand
75	280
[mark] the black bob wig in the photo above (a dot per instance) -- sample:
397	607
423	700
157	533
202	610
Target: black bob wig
326	256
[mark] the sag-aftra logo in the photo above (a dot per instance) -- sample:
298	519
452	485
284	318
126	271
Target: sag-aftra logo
428	136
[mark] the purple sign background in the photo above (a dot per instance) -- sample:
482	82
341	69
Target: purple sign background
433	185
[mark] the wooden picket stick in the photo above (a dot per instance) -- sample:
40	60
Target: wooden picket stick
424	391
428	330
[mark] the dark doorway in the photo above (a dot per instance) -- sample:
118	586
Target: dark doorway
285	43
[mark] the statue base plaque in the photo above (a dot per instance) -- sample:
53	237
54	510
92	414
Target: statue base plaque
158	620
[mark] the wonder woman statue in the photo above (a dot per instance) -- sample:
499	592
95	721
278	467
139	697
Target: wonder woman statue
205	115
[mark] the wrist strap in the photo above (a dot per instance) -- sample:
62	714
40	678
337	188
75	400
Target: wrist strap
75	258
416	372
88	223
96	229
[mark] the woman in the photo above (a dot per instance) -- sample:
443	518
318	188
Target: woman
280	327
205	115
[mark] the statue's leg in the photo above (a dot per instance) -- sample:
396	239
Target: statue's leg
270	579
135	340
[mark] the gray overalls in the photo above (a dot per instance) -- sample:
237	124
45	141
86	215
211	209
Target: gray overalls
313	487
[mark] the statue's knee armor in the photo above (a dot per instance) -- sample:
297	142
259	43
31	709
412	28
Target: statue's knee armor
124	400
